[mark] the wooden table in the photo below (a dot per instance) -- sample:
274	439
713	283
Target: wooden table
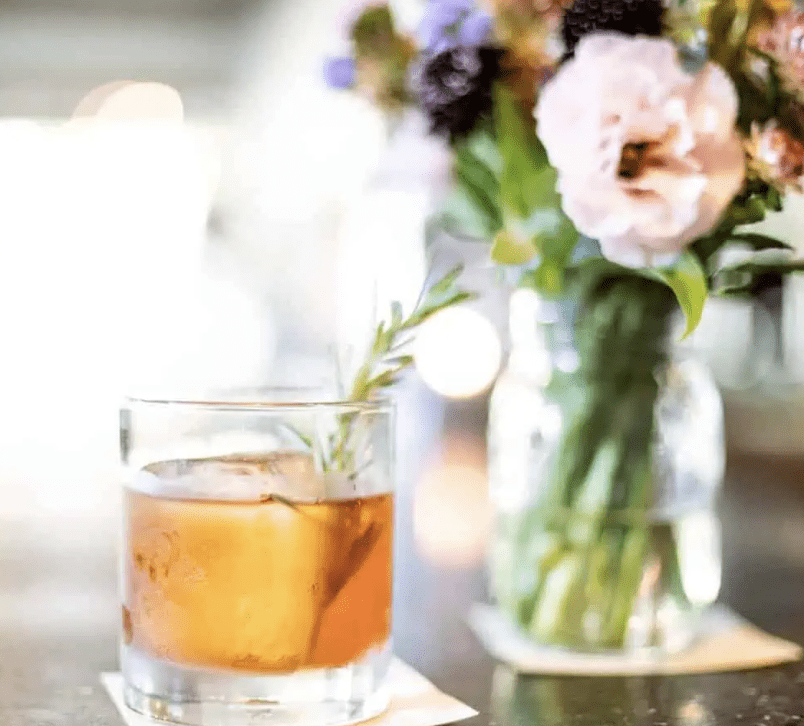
59	611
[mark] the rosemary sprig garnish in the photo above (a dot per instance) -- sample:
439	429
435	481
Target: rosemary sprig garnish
387	359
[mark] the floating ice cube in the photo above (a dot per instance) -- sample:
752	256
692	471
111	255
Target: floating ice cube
243	477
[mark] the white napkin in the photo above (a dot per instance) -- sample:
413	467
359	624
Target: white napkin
414	701
727	643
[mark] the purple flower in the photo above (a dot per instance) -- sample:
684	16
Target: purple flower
475	29
447	23
340	73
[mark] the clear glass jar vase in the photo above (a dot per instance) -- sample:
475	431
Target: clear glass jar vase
604	481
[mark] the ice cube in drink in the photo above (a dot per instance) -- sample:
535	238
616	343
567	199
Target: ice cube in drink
253	579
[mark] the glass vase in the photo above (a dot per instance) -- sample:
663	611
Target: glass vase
606	457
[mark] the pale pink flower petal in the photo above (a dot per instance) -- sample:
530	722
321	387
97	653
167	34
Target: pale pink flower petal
647	155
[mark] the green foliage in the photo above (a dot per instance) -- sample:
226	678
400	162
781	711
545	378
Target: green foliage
687	279
373	33
759	241
384	363
505	191
467	213
483	146
527	181
595	276
508	249
752	205
764	95
723	38
548	279
383	57
743	277
731	25
473	207
758	267
558	245
478	184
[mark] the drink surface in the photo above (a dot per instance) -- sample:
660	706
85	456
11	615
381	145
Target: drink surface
266	585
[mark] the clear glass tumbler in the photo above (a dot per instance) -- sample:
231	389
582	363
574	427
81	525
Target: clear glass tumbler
256	561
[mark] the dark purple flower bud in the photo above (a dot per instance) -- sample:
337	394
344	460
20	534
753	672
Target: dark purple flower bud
630	17
340	73
455	88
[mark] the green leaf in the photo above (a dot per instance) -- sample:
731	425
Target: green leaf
760	241
473	206
736	290
687	280
542	192
559	245
507	249
457	299
748	208
383	380
550	278
418	317
483	147
465	215
442	286
721	33
396	314
400	361
763	268
525	170
373	32
382	339
752	211
742	276
358	391
485	202
773	199
474	169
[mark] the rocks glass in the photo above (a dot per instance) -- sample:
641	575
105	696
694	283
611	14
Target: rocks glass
256	559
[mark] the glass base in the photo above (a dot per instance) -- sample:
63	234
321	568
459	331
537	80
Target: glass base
200	697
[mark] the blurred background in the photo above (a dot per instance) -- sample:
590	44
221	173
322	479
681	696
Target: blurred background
246	247
241	249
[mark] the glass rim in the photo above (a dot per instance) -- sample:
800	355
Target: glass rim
254	399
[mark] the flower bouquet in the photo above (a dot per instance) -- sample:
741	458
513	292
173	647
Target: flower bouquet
614	154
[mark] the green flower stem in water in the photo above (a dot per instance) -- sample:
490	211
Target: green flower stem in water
580	551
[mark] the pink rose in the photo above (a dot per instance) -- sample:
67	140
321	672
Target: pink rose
647	155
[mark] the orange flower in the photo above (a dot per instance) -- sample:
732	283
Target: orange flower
784	41
532	8
776	155
527	29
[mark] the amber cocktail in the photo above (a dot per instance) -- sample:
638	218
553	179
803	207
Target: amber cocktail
259	583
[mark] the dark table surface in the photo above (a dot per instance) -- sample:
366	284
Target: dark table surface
59	611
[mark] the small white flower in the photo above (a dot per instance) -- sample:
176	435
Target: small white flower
647	155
